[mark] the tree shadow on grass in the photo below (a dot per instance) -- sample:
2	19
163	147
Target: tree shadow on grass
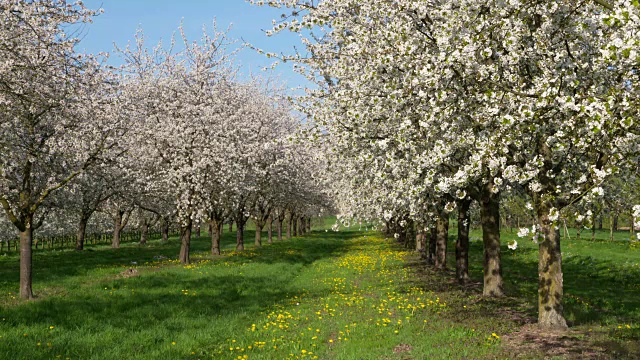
174	300
162	301
304	250
597	292
52	267
155	297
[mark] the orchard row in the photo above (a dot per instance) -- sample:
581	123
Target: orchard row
427	106
172	137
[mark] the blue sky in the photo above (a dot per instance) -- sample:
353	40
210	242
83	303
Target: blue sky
160	19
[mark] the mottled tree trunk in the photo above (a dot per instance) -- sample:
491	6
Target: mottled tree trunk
144	233
301	226
550	287
611	227
165	231
117	227
433	236
230	226
215	227
462	243
185	243
259	226
26	240
294	226
421	241
270	230
82	231
490	216
442	228
309	224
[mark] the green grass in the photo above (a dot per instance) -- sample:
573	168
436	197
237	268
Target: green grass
601	285
600	276
330	295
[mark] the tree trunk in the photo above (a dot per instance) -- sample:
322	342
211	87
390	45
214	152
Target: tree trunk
289	226
600	221
409	234
420	243
82	230
578	229
433	236
462	243
301	226
198	230
144	233
230	226
259	226
294	226
279	227
611	227
165	231
239	237
442	228
490	216
215	236
309	224
117	227
26	240
593	226
632	228
614	222
185	242
270	230
550	314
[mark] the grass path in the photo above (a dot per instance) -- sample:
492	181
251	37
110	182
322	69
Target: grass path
344	295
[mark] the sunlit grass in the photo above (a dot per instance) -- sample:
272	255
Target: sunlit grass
329	295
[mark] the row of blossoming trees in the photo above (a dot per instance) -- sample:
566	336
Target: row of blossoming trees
172	134
427	106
